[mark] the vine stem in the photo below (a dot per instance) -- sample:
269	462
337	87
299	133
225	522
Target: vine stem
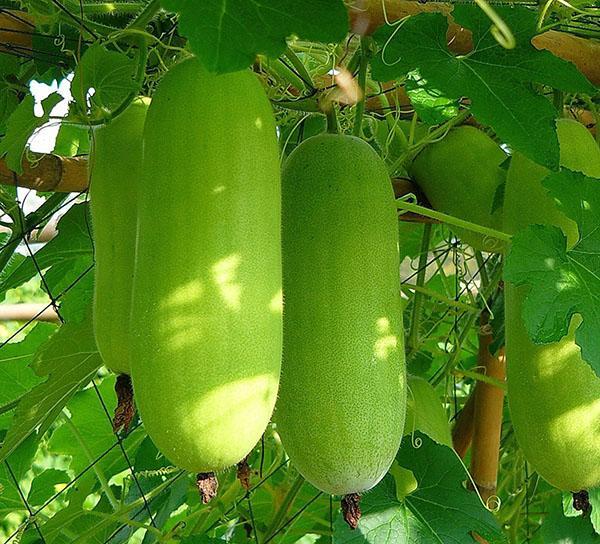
97	470
285	506
434	294
145	16
439	132
451	220
300	68
362	85
485	294
417	310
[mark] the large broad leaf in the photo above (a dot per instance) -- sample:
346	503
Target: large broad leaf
66	256
103	79
69	360
440	510
16	376
559	529
20	126
228	34
498	81
563	283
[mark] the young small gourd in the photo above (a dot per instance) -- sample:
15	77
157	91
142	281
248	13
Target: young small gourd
460	176
206	316
116	160
554	395
341	407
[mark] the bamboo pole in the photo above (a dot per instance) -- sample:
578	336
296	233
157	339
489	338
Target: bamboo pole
488	411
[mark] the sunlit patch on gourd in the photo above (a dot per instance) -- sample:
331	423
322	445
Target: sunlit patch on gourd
276	304
386	343
224	274
179	318
258	123
218	189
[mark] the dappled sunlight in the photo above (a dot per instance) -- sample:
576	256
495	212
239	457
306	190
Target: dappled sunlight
276	304
387	342
179	317
224	273
236	412
587	414
218	189
258	123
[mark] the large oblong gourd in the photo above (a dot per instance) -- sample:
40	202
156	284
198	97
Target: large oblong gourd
460	176
206	312
115	172
341	407
553	394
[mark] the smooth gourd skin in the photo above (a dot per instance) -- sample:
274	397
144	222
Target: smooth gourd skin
460	175
341	407
207	309
554	396
116	165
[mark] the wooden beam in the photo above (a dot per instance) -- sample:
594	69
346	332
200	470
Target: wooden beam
49	173
26	312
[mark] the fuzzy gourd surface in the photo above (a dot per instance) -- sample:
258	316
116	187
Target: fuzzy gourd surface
341	408
460	175
116	164
554	395
207	309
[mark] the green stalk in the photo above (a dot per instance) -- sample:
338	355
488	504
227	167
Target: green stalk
438	296
413	151
479	377
362	84
451	220
332	124
285	506
95	467
485	294
417	310
145	16
300	68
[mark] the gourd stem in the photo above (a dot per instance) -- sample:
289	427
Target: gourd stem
417	310
303	73
438	296
451	220
332	124
285	506
362	85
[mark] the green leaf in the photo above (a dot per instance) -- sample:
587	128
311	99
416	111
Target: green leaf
425	413
69	253
498	81
20	126
72	140
563	283
109	74
19	462
430	104
228	34
70	359
440	510
16	376
45	485
559	529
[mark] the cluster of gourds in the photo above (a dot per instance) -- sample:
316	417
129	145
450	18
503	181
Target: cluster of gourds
193	215
553	394
253	284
